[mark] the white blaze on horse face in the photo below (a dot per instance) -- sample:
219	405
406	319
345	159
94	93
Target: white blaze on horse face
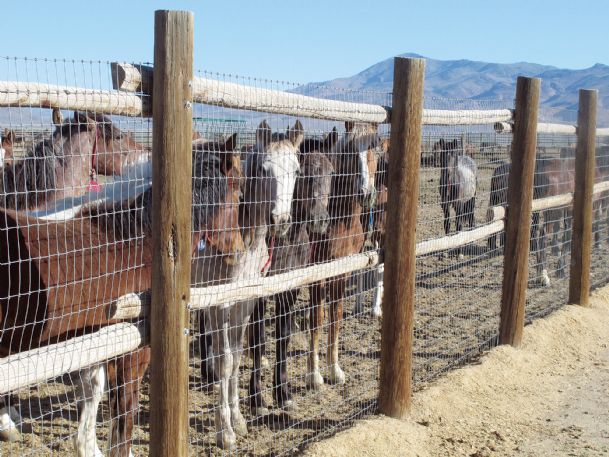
283	166
362	157
2	154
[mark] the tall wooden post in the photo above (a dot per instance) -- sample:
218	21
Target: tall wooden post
400	258
171	228
581	247
518	219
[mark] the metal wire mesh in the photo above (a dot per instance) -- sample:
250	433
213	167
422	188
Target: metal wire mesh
61	261
278	200
284	404
600	214
550	257
458	290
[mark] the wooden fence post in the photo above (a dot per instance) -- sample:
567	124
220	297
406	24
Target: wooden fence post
171	228
518	218
400	259
581	247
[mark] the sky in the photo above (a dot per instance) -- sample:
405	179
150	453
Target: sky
311	40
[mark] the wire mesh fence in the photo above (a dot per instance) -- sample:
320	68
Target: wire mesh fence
66	254
288	231
458	290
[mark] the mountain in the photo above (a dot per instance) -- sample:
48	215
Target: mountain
483	84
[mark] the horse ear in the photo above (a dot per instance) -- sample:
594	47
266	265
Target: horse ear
263	135
296	134
331	138
84	119
9	137
231	143
349	126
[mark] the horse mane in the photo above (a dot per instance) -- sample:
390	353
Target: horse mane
31	180
132	218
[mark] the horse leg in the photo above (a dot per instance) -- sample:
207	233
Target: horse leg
377	310
8	419
459	216
236	334
90	389
446	211
337	294
358	277
471	212
542	272
314	379
565	249
125	376
225	436
256	343
208	372
283	329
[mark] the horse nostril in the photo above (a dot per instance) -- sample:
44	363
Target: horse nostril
281	219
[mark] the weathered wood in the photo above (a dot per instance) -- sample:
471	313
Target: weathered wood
518	223
138	78
542	204
403	189
581	243
459	239
25	94
171	228
564	129
137	305
37	365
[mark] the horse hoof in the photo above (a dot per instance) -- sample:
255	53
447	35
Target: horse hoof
8	429
377	312
240	425
11	435
225	439
264	363
288	406
314	380
259	411
544	280
337	375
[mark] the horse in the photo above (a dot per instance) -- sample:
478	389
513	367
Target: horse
551	177
265	211
66	165
126	227
458	181
309	216
351	190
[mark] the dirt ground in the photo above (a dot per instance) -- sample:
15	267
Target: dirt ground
550	397
457	316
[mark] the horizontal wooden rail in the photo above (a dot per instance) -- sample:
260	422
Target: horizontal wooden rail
542	204
561	129
138	78
459	239
48	362
137	305
26	94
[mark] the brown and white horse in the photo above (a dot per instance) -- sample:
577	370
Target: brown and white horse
66	165
270	175
116	260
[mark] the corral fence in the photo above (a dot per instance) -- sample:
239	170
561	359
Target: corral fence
84	301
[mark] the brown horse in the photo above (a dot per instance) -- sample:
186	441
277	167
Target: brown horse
66	165
351	191
116	260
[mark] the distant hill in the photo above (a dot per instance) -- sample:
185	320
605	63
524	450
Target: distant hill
466	79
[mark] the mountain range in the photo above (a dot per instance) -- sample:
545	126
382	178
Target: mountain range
483	84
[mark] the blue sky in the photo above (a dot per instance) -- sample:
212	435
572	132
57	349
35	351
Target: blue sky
311	40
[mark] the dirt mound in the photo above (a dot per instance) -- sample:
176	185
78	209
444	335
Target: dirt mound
550	397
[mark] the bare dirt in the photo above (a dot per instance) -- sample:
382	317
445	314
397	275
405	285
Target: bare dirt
549	397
